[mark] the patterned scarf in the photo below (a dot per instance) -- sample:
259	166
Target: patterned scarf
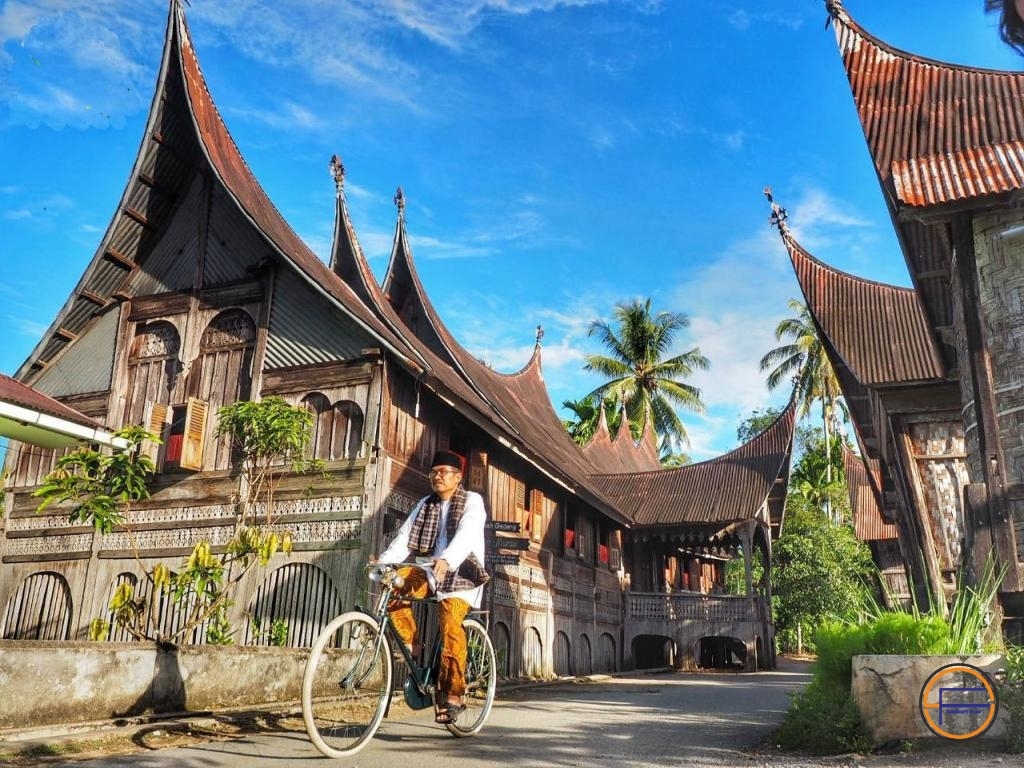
423	538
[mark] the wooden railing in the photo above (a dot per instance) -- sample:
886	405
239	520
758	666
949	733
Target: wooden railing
694	606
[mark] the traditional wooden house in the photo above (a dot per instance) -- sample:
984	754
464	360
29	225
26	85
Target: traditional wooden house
200	295
934	375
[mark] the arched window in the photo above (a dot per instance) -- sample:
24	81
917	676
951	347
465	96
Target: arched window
533	653
584	657
337	429
153	369
222	374
563	655
607	658
294	603
502	648
115	633
39	610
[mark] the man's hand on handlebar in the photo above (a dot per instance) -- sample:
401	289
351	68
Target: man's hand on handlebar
440	569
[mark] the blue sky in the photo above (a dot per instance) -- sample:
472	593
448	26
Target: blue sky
557	156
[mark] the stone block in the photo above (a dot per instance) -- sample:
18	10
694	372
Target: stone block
887	691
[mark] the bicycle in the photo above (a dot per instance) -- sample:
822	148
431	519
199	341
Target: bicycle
347	683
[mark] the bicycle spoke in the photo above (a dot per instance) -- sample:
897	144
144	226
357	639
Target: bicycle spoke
481	681
346	685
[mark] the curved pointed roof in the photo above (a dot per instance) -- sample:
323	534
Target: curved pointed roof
347	259
879	331
938	132
184	131
621	453
730	488
521	399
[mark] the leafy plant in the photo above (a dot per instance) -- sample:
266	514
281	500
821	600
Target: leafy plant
822	720
276	635
1011	697
271	439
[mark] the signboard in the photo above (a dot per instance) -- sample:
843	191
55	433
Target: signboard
507	542
502	558
502	526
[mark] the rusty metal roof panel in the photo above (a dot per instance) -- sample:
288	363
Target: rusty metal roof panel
972	172
731	488
938	132
868	524
15	392
880	331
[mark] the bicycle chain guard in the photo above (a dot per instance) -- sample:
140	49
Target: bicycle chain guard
413	697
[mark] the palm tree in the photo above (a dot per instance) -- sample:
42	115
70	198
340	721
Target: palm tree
587	415
639	373
803	361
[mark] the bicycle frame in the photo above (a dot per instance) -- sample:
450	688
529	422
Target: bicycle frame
421	694
348	680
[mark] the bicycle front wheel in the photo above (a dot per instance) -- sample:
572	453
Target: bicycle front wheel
346	684
481	681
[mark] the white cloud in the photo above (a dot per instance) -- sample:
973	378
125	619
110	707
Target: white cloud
27	327
288	116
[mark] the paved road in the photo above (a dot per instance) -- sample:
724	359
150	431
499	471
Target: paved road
643	720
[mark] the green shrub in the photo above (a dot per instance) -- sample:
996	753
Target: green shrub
1011	697
837	644
822	720
905	634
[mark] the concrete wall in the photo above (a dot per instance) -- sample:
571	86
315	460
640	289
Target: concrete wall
57	683
888	693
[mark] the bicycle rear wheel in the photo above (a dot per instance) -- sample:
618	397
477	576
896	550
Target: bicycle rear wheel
346	685
481	681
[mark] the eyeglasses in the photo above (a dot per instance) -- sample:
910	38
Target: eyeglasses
442	472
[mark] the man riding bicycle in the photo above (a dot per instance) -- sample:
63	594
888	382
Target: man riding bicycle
446	527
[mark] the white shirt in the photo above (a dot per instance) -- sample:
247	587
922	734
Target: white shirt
468	539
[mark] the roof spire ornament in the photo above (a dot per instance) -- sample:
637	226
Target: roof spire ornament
399	201
778	215
835	11
540	335
338	172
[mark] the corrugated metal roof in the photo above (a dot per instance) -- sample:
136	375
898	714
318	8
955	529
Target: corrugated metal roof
87	365
937	131
298	317
880	331
621	453
14	392
959	175
868	524
731	488
242	186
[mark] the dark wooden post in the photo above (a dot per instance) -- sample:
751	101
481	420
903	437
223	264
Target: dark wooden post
995	513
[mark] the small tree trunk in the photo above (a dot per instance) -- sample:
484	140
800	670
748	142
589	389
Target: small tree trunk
799	639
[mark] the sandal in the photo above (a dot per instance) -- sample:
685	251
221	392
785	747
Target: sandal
449	714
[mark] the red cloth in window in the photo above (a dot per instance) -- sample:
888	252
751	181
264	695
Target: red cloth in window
174	448
570	537
602	553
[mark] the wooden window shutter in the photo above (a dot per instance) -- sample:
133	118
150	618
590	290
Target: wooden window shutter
519	504
195	430
537	502
615	558
157	421
478	471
